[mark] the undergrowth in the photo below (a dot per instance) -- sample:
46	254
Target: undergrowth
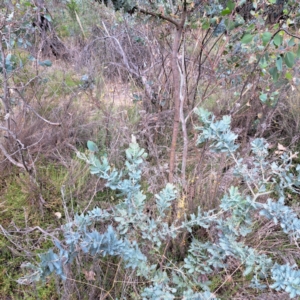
139	240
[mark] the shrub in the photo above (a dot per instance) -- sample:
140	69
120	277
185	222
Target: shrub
127	230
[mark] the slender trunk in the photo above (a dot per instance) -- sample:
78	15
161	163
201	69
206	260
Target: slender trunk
183	96
5	99
179	31
176	94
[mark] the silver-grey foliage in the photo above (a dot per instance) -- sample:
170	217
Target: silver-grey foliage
135	228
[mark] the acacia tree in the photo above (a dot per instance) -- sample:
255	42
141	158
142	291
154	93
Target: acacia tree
136	232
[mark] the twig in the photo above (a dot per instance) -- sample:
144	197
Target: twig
14	136
14	162
291	34
121	51
160	16
39	116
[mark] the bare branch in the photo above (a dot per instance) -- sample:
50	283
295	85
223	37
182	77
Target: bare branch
291	34
39	116
13	135
121	51
8	156
160	16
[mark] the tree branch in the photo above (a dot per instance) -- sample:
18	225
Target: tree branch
291	34
39	116
160	16
121	52
14	162
13	135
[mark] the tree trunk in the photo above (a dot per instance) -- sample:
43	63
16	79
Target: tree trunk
178	33
176	95
5	98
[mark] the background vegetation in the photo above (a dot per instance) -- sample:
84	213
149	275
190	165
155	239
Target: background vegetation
74	71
